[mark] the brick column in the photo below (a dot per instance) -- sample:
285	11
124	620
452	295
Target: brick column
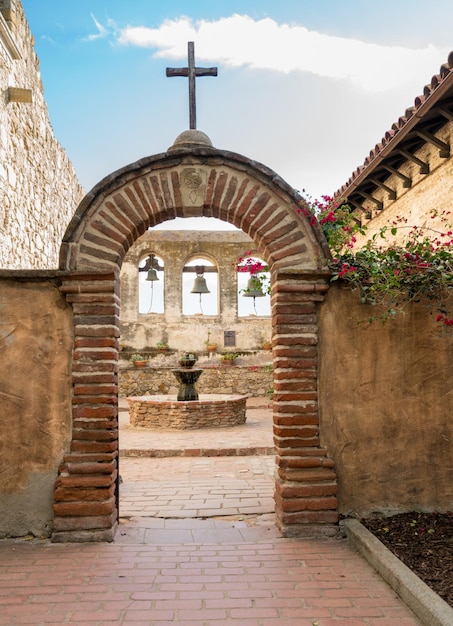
86	493
306	487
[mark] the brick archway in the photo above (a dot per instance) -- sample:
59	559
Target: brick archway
190	180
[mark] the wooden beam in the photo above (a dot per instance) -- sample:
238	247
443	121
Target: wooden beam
356	204
391	192
424	167
378	203
407	182
207	269
447	114
444	148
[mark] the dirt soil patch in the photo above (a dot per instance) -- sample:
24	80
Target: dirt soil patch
424	543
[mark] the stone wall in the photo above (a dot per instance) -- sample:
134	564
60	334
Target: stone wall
251	380
428	192
39	191
386	401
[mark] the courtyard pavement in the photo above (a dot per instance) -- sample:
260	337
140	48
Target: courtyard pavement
196	546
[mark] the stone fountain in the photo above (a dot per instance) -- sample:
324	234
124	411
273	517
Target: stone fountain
189	410
187	377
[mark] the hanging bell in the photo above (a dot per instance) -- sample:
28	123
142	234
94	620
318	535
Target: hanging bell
253	288
152	275
199	285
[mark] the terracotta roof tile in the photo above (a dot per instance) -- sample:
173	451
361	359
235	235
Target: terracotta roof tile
393	135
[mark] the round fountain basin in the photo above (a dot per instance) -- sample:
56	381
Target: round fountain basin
163	412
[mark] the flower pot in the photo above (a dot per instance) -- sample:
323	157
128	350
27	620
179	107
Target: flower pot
140	364
211	347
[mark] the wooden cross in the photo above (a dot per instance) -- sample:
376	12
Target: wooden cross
191	72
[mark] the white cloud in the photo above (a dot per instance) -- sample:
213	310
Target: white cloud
239	41
102	33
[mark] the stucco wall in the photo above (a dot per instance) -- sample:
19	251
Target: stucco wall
36	347
386	407
39	191
386	400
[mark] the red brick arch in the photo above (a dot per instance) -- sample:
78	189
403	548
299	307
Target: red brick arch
116	212
187	181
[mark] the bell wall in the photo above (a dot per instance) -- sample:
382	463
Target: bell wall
142	331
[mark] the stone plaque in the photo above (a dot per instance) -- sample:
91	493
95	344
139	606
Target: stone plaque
229	338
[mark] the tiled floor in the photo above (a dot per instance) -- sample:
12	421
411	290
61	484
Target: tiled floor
224	566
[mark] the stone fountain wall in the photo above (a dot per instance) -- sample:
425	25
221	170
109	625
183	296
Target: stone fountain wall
210	411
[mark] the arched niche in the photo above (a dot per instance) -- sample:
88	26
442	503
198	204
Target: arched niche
198	303
151	284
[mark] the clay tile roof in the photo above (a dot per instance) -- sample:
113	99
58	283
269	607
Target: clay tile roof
444	69
439	89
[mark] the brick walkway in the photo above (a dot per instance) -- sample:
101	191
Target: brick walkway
198	487
253	437
191	563
256	583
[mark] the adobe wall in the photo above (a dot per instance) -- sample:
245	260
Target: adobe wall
36	336
433	191
39	190
386	401
142	331
385	396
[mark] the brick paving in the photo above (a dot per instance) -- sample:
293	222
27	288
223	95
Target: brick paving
210	567
259	582
197	487
253	437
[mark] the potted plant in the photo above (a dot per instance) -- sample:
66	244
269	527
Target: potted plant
162	346
210	345
188	360
266	345
139	360
228	358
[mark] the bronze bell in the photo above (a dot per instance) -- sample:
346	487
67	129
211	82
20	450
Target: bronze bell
152	275
253	288
199	285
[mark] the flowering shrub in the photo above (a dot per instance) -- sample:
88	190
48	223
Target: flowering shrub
336	221
388	273
259	272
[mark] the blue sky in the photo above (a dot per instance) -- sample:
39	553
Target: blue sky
306	87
